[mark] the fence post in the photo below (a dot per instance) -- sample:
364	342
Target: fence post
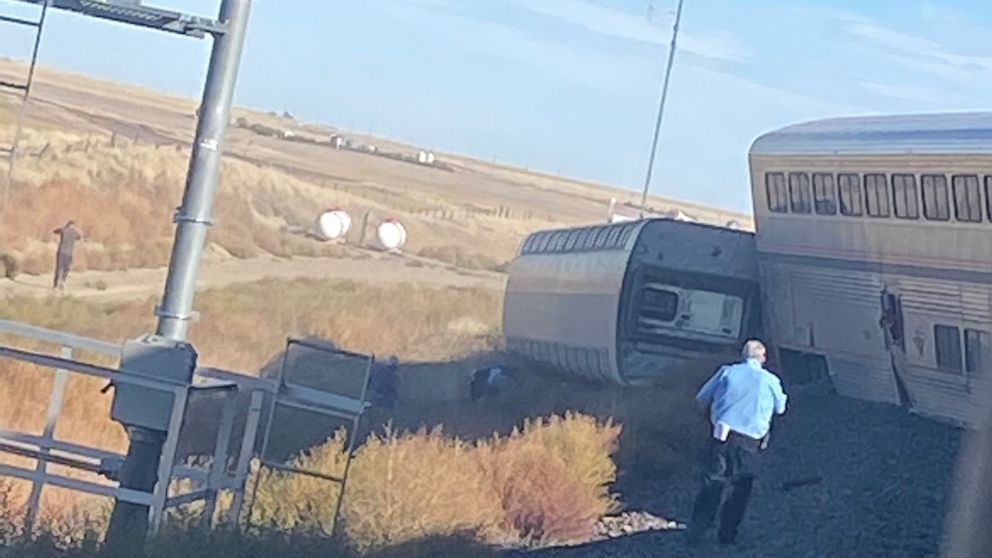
365	226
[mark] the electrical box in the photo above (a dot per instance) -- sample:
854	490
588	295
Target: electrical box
151	357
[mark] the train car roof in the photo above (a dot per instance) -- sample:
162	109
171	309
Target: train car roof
943	133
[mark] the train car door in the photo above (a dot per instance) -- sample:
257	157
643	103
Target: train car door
894	330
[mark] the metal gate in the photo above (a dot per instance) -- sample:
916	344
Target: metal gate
228	467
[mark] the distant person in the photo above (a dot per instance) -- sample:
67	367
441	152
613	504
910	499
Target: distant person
383	384
68	236
741	398
490	382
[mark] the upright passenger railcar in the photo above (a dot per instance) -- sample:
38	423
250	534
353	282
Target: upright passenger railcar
627	302
875	244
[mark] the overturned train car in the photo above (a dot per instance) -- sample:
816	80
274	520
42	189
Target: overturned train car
627	303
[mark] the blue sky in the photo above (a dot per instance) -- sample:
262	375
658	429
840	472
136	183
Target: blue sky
570	86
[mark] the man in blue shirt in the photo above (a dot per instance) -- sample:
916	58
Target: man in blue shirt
741	398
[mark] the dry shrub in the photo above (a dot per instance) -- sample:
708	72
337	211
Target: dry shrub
10	513
553	477
38	263
9	266
69	518
547	482
409	486
298	503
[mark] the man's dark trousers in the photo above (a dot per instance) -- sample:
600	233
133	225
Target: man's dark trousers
62	264
731	467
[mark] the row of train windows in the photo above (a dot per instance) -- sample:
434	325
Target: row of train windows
592	238
974	356
881	195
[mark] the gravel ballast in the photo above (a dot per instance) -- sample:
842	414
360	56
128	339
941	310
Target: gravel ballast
842	478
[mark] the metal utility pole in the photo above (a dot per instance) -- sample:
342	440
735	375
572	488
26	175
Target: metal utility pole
661	107
129	522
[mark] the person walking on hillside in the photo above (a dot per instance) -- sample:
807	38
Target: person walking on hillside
68	236
741	399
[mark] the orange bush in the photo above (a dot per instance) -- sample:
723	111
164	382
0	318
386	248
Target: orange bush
553	477
546	483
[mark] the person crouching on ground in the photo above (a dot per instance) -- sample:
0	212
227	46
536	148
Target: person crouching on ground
741	398
382	389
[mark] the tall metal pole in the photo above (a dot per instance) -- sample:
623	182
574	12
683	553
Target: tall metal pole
661	107
193	217
129	522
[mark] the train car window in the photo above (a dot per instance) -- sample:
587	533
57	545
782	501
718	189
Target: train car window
851	196
778	197
658	305
582	243
824	194
533	244
545	243
627	231
947	340
589	240
571	240
712	313
876	195
800	198
599	238
529	244
935	204
967	198
905	198
977	351
615	237
988	197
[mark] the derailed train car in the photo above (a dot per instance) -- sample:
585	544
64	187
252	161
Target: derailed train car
626	303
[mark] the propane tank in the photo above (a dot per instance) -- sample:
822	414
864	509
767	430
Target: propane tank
334	224
391	234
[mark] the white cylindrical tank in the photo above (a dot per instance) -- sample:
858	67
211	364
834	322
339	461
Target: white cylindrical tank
430	158
391	234
334	224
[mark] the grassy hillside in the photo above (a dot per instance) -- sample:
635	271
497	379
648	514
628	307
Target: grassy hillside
113	158
121	195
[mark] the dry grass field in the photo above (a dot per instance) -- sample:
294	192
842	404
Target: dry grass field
113	158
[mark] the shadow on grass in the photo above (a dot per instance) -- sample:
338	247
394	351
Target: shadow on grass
662	435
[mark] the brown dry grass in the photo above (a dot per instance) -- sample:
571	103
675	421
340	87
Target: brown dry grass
547	482
121	196
243	328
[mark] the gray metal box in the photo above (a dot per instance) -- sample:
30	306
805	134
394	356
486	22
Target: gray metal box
151	357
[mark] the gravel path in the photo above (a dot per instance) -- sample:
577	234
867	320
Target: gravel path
375	269
886	477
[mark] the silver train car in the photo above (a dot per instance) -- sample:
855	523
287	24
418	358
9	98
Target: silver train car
874	238
625	303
